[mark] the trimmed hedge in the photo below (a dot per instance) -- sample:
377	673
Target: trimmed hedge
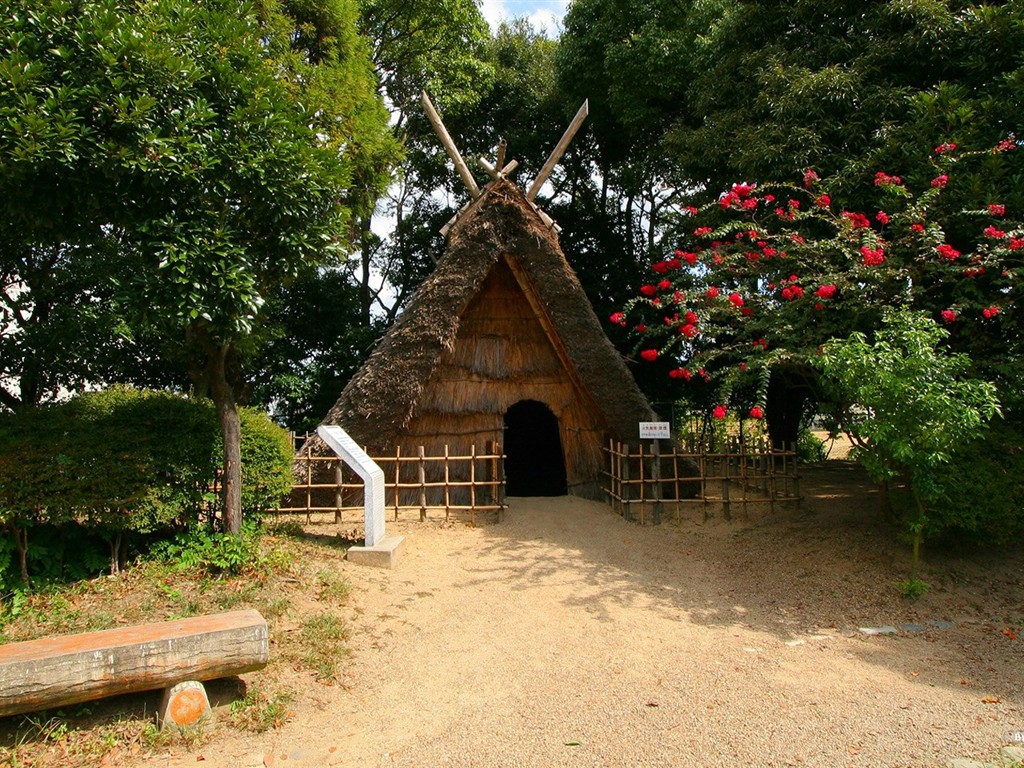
127	463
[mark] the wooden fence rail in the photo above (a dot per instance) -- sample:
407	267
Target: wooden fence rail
452	483
646	480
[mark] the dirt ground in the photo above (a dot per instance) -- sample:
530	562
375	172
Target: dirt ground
565	636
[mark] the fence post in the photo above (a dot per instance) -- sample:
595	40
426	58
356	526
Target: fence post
472	484
727	466
627	488
796	476
422	477
447	489
309	481
643	479
398	477
339	494
656	481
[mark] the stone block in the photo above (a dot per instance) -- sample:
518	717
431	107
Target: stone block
384	555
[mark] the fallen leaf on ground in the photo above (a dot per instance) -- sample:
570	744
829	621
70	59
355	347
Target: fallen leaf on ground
991	700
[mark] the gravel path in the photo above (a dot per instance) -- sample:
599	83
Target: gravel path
565	636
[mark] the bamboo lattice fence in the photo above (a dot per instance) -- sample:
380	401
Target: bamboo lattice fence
646	482
446	484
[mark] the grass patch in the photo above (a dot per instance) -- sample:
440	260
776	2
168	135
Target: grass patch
323	639
293	575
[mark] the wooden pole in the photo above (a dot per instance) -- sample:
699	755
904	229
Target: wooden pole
447	489
656	480
398	477
727	463
309	481
422	472
449	146
339	494
472	484
559	149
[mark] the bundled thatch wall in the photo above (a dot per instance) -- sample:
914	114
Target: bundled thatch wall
502	319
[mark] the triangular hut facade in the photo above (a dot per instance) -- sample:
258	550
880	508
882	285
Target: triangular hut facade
499	346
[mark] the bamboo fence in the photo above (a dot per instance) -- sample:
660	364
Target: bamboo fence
449	484
646	481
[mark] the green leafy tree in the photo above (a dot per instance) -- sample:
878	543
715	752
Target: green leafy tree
907	406
769	273
208	145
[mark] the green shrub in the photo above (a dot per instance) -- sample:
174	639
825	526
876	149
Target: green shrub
124	464
982	495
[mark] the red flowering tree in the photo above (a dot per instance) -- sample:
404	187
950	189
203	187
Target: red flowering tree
769	272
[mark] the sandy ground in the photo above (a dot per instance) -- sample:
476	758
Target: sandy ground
564	636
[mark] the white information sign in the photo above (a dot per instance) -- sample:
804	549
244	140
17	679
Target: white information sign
371	474
654	430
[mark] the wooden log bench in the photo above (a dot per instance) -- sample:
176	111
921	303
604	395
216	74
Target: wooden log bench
174	655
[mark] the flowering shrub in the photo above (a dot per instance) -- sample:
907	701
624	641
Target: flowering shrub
770	272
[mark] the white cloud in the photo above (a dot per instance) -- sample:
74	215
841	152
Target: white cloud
543	14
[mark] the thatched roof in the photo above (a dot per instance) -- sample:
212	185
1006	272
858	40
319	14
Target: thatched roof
381	398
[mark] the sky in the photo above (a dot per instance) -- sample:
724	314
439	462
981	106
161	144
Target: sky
546	14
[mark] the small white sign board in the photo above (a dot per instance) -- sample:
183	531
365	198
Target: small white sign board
655	430
367	469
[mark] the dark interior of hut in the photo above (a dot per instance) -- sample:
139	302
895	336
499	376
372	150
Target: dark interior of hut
534	463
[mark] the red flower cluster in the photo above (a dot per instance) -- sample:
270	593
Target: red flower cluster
995	234
997	209
948	316
948	252
736	299
940	181
823	201
990	312
619	318
719	412
857	220
680	373
648	290
825	291
791	292
872	258
702	231
882	179
712	292
650	355
756	412
688	257
943	148
882	217
917	228
810	177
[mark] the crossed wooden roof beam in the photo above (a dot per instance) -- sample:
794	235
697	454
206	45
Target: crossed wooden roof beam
499	169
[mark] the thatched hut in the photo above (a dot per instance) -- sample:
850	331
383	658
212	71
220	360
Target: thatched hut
500	345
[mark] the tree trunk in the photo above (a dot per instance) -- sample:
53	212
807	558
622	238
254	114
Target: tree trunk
788	393
21	543
231	434
214	373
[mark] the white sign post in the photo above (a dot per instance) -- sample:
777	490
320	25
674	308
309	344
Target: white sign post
379	549
655	430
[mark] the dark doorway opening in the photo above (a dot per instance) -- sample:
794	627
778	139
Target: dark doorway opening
534	462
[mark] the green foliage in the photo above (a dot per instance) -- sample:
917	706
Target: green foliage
769	273
982	496
809	447
213	551
267	454
913	589
122	462
906	407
